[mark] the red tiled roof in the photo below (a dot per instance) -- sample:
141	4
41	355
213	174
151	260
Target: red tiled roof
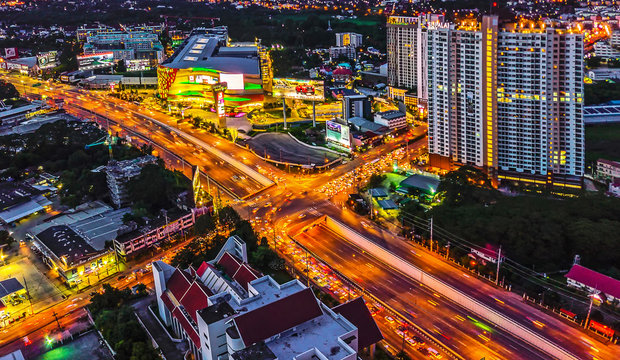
195	298
229	263
278	316
202	268
591	278
185	324
178	283
167	301
357	313
244	275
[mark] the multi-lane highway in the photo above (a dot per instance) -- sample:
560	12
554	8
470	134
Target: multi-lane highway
469	336
297	198
567	335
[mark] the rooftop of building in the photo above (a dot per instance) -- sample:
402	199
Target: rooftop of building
96	222
15	193
277	316
364	125
320	335
379	192
216	312
206	52
258	351
391	114
18	200
358	314
596	280
65	243
425	183
609	162
10	286
115	167
19	110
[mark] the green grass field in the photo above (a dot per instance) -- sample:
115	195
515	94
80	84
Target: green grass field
602	141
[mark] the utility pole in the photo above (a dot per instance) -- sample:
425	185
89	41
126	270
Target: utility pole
431	233
585	325
313	114
28	294
284	111
499	260
56	317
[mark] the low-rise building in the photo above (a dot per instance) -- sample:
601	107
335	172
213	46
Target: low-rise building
72	257
139	239
76	243
226	309
335	52
604	50
393	119
594	283
349	39
607	169
13	116
356	105
614	188
603	74
20	200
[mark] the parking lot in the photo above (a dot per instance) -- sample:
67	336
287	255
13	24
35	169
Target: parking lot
43	291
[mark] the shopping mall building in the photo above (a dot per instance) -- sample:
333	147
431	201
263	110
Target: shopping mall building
207	58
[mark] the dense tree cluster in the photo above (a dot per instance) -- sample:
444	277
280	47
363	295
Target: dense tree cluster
7	90
116	320
601	92
209	241
59	148
156	188
540	232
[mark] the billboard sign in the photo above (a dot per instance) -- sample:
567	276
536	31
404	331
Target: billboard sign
96	61
138	64
10	53
299	89
337	133
47	60
234	81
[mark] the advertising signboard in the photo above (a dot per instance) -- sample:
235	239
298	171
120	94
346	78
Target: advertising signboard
234	81
298	89
218	95
47	60
137	64
337	133
96	61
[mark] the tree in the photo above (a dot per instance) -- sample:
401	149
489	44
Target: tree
120	67
204	224
375	180
6	238
156	188
8	90
228	216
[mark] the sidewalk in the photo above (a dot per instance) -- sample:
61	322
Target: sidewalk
171	350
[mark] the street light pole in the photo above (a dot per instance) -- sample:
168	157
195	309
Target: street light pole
499	260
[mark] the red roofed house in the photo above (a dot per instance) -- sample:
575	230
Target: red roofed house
593	282
225	310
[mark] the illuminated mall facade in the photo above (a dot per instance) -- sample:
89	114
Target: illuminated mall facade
206	59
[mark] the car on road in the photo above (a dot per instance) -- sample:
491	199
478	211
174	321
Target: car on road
434	353
301	216
418	340
389	319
